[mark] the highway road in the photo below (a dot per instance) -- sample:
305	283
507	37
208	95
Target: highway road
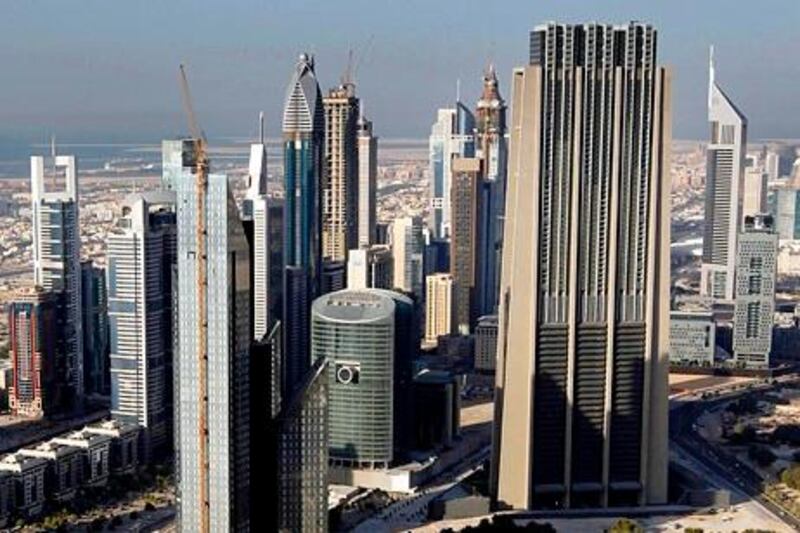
732	473
16	272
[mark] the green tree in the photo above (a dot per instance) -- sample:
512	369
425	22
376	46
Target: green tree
625	525
791	476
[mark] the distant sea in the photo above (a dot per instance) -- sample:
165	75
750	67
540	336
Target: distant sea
135	160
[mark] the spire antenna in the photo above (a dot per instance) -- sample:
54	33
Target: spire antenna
53	158
458	90
711	73
261	127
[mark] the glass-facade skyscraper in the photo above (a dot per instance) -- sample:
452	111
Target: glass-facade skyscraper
369	337
491	146
141	254
263	220
451	135
95	329
726	154
212	411
56	258
408	252
355	330
302	470
304	171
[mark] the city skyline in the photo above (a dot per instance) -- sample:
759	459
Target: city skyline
545	304
98	89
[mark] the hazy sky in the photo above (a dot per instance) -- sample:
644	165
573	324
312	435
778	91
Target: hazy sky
106	70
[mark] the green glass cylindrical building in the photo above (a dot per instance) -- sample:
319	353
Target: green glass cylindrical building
358	331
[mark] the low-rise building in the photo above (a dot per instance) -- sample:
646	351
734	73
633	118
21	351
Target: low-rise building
27	475
96	452
124	444
692	336
6	497
63	474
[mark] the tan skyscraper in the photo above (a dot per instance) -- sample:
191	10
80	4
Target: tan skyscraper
581	404
466	186
340	190
439	308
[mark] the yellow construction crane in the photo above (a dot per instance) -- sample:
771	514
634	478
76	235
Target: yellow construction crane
201	189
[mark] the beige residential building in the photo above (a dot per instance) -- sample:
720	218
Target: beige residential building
582	362
439	307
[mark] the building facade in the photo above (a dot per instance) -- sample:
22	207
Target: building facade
263	220
486	343
492	149
212	417
467	255
95	329
304	174
439	307
692	338
370	267
754	198
56	258
788	213
367	182
581	408
141	255
726	153
355	331
341	186
407	252
451	135
176	155
36	353
755	292
303	455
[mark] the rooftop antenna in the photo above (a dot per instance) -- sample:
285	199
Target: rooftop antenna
53	158
261	127
711	73
490	59
458	90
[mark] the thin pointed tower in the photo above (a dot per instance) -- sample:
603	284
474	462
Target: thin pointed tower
725	156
